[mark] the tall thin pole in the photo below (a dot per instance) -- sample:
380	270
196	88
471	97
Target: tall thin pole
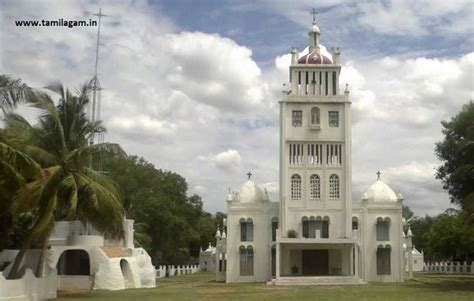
95	79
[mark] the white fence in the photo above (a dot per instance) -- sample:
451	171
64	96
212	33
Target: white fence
29	287
449	267
161	270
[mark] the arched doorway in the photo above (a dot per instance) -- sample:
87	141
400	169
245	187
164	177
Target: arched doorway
127	273
74	262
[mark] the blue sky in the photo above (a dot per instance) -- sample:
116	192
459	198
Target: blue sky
269	33
193	86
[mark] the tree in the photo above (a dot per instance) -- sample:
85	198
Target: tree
12	92
450	238
65	187
407	214
175	225
456	153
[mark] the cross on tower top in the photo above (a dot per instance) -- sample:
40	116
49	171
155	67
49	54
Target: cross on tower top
100	15
378	175
249	174
314	13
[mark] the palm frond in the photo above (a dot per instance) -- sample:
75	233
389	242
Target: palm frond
12	92
24	164
85	154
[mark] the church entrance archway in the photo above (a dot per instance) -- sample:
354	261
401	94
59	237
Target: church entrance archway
127	273
74	262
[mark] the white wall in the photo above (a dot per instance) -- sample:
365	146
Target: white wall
29	287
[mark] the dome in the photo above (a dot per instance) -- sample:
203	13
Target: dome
380	192
250	193
314	58
314	28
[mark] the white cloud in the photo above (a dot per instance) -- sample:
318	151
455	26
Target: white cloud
227	160
174	97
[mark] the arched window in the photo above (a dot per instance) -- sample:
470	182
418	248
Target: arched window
315	227
315	120
333	187
383	260
314	187
383	229
246	229
296	187
246	261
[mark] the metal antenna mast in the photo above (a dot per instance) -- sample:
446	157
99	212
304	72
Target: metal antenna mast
94	85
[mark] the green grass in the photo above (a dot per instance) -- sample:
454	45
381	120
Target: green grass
201	286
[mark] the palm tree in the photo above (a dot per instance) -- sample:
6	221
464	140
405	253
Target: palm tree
12	92
66	187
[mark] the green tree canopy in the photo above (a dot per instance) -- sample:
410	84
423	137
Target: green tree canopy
174	225
456	153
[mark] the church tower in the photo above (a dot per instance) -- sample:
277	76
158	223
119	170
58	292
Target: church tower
315	146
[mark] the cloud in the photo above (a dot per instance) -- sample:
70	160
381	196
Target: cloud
227	160
199	103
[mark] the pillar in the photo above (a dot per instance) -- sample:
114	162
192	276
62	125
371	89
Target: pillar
277	261
356	265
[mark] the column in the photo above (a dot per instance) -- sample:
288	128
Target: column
356	271
410	263
277	261
351	260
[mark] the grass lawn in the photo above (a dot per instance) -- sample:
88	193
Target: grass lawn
200	286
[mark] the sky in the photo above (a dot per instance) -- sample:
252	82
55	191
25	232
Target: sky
193	86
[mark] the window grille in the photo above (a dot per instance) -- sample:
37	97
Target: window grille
295	187
333	118
333	187
297	118
314	187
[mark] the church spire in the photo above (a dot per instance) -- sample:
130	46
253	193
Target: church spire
314	34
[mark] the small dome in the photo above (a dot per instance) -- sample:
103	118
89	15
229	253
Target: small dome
380	192
314	28
250	193
314	58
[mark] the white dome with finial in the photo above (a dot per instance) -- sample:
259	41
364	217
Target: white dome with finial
249	192
314	28
380	192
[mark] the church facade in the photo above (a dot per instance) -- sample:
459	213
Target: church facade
314	233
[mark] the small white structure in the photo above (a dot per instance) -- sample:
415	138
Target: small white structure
85	260
207	259
417	260
314	233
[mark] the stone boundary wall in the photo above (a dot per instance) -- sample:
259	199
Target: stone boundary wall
449	267
29	287
175	270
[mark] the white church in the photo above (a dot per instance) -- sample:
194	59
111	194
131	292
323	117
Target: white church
315	233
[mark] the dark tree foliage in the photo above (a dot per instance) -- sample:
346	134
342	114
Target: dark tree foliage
407	214
449	237
173	226
456	153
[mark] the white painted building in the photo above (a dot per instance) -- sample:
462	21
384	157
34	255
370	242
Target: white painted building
84	259
207	259
418	260
314	233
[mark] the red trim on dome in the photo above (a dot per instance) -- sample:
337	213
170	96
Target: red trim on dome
314	58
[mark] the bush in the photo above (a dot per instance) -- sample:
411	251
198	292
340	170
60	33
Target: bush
292	233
